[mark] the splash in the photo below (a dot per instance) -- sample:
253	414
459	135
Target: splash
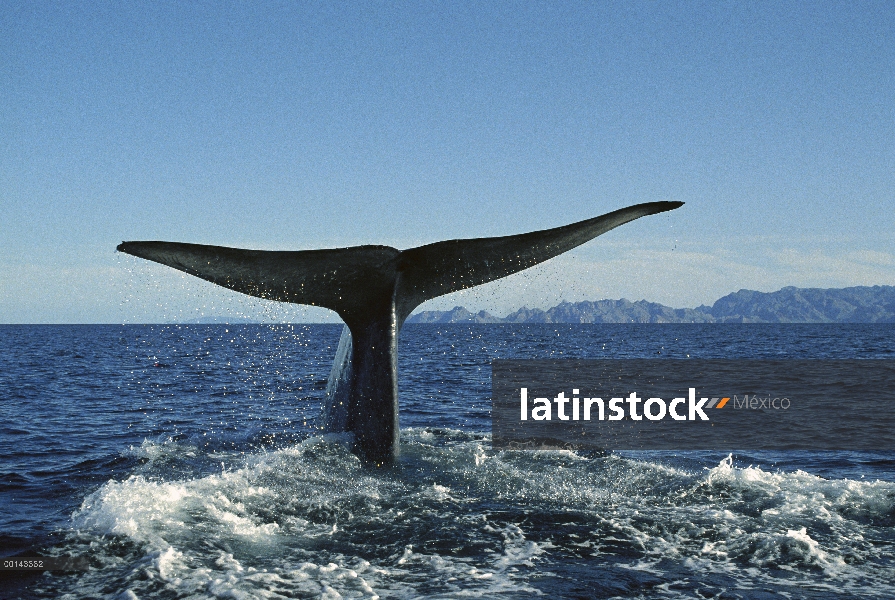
455	518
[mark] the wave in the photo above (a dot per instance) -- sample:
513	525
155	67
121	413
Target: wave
455	518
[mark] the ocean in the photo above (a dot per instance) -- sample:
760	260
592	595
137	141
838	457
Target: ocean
185	462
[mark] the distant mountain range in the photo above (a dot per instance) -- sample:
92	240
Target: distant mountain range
789	305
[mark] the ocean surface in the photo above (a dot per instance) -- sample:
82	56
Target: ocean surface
185	462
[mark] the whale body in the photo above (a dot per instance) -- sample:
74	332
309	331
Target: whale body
374	289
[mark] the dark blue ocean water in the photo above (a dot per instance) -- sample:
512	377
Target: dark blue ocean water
185	462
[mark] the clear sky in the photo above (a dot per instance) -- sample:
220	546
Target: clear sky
299	125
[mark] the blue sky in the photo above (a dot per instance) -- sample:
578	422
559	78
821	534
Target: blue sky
286	125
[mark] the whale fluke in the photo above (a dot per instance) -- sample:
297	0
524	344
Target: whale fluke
374	289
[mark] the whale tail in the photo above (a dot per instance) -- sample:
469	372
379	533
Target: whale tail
358	280
374	289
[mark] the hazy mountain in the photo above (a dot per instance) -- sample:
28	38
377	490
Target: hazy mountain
809	305
789	305
457	315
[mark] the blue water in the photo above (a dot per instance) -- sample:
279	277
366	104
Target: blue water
185	462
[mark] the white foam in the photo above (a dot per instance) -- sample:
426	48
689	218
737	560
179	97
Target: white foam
292	522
